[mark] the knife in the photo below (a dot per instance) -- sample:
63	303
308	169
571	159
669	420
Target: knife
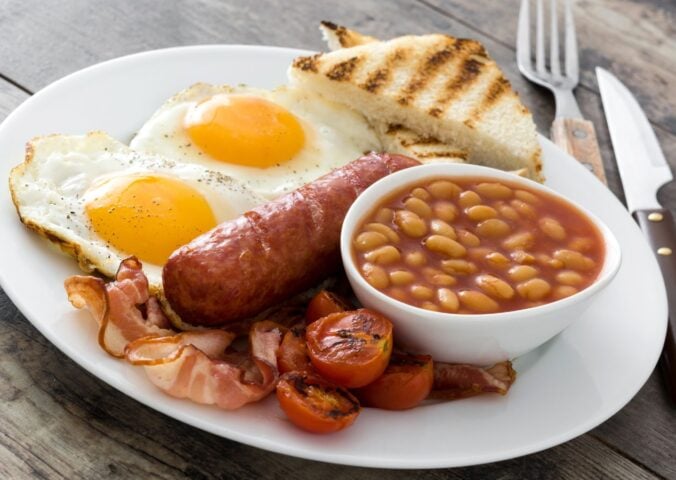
643	171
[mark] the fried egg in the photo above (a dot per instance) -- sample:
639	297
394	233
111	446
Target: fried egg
274	141
102	202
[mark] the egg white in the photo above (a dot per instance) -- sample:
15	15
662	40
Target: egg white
335	135
50	191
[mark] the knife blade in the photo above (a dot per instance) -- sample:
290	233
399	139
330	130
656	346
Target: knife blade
643	171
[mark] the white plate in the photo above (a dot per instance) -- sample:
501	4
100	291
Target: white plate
564	389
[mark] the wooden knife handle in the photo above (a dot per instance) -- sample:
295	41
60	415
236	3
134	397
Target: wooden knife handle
578	137
658	227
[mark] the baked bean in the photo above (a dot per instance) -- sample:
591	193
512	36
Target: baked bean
534	289
369	240
384	215
429	272
523	208
519	241
458	267
526	196
383	255
442	280
398	294
563	291
552	228
446	211
421	292
569	277
421	193
519	273
481	212
469	198
448	300
495	287
384	229
401	277
445	245
444	190
468	239
415	259
498	260
581	244
375	275
493	228
430	306
410	223
494	191
508	212
524	258
419	207
477	301
442	228
555	263
574	260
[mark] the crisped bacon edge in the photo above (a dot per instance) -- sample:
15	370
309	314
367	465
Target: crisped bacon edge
115	306
195	365
455	381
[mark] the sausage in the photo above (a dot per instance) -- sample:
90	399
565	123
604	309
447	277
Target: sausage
272	252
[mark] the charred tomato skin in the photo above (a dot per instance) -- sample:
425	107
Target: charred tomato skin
323	304
407	381
350	348
315	404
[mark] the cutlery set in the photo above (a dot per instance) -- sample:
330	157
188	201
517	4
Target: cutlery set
642	167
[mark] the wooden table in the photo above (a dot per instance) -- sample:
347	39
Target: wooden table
58	421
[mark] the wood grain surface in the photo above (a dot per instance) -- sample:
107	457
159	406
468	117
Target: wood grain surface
58	421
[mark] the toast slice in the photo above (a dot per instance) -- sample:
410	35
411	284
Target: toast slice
437	86
394	138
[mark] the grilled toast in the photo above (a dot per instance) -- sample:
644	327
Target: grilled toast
435	85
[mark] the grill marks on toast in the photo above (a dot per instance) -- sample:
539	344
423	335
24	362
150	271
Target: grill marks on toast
343	71
383	75
470	64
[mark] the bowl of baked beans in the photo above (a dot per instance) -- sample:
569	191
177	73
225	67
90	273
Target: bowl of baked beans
473	264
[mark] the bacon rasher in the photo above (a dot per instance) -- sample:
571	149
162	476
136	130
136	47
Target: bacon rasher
454	381
119	306
197	366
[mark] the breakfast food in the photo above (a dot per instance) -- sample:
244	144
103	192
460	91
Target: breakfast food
475	245
198	366
314	404
440	87
272	252
350	348
273	141
101	202
115	306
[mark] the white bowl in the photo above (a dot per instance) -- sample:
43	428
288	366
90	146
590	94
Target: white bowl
478	339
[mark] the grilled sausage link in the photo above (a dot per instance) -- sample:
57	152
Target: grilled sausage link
272	252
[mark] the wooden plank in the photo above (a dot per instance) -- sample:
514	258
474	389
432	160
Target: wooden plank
58	421
636	40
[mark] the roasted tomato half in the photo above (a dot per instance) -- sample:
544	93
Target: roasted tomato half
292	354
351	348
323	304
315	404
406	382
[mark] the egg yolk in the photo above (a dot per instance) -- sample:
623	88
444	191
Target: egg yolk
147	216
244	130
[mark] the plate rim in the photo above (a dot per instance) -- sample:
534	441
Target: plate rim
277	445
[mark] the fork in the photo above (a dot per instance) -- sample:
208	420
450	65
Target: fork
569	130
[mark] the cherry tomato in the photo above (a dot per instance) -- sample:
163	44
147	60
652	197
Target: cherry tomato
292	354
314	404
323	304
352	348
406	382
